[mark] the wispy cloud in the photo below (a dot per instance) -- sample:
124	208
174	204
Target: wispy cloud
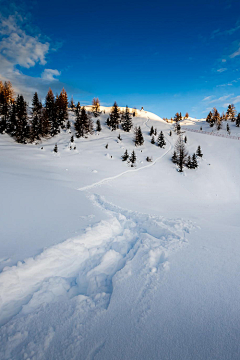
231	31
235	53
222	70
49	74
207	98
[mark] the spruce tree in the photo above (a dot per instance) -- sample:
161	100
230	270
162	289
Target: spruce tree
189	162
132	158
215	118
119	137
185	139
170	134
127	120
155	132
209	117
174	157
98	127
22	128
199	151
36	118
161	141
194	164
6	101
83	124
55	149
138	139
12	123
125	156
114	117
51	112
228	130
61	108
153	140
71	104
151	131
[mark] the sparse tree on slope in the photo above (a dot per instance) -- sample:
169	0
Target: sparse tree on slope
127	120
231	112
181	153
114	117
161	141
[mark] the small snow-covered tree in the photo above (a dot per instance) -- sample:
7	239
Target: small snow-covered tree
114	117
126	120
161	141
133	158
96	107
194	164
125	156
231	112
138	139
151	131
181	153
199	151
153	140
98	127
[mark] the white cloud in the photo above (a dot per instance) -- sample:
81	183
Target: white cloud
49	74
236	53
221	70
207	98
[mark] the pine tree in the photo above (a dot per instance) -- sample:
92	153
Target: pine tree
114	117
55	149
125	156
68	125
155	132
127	120
61	108
98	127
72	139
185	139
83	124
36	118
194	164
153	140
199	151
161	141
119	137
215	118
170	134
12	123
133	158
151	131
138	139
22	127
178	129
6	101
51	113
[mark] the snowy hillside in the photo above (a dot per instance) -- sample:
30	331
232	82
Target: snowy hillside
100	260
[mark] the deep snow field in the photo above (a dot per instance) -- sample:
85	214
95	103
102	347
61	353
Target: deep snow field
99	260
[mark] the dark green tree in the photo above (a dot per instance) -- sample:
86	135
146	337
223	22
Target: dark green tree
127	120
161	141
114	117
125	156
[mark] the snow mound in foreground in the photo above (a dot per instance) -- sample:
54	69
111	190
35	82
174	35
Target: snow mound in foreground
84	266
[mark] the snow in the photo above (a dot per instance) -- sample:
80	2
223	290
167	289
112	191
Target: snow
103	261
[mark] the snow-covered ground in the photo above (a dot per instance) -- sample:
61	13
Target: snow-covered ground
103	261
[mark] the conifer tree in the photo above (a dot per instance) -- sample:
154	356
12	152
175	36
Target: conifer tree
50	113
209	117
119	137
174	157
125	156
68	125
98	127
133	158
185	139
127	120
71	104
151	131
61	108
170	133
22	127
83	124
138	139
114	117
55	149
199	151
215	118
155	132
36	118
194	164
6	100
12	123
153	140
161	141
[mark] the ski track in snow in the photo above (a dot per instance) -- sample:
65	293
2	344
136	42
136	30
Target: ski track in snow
106	180
84	267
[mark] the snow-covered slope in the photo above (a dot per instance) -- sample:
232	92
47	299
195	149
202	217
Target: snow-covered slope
103	261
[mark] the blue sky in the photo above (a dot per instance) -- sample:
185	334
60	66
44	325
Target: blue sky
165	56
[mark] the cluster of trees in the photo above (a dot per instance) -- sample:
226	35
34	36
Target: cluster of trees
214	117
181	157
41	121
116	118
83	124
160	140
131	159
138	136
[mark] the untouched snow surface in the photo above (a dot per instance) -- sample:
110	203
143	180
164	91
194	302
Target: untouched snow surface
103	261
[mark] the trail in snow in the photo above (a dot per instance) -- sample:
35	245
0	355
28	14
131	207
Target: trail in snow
213	134
85	265
106	180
